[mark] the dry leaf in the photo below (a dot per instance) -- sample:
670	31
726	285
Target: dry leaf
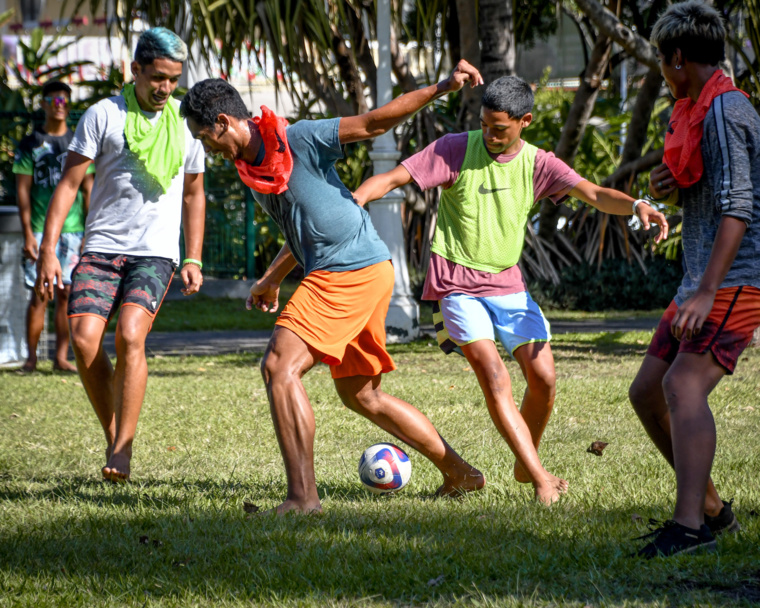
14	416
249	507
172	448
597	447
64	380
749	408
79	384
466	369
452	386
434	582
201	369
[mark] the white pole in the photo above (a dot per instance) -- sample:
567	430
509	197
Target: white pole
403	321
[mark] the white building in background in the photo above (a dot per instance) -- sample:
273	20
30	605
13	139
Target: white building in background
104	52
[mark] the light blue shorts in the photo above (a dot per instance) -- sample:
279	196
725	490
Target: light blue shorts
66	250
516	319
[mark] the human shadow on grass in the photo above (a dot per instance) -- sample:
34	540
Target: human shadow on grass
397	549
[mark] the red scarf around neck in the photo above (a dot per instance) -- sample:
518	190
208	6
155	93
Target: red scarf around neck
683	151
272	175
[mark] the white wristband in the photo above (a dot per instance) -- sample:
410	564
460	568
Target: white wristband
636	204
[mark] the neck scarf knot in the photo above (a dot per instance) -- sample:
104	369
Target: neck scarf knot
272	175
683	150
160	147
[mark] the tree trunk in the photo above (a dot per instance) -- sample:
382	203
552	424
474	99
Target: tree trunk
637	129
577	120
469	46
497	39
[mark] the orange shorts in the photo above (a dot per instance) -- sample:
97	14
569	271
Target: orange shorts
726	332
342	315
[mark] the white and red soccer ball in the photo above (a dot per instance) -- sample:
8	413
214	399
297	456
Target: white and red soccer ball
384	468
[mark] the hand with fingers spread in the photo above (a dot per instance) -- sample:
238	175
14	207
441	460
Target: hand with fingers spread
691	315
661	182
649	215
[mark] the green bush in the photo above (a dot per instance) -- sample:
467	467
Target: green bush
617	285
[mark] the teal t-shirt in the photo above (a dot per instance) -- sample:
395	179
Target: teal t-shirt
323	226
43	157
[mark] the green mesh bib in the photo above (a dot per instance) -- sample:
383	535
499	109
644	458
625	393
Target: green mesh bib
482	217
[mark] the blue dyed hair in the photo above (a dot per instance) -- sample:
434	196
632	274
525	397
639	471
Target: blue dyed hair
160	43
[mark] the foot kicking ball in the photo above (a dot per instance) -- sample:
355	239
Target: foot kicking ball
384	468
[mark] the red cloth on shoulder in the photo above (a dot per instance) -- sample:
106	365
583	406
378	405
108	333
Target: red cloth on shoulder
683	151
272	175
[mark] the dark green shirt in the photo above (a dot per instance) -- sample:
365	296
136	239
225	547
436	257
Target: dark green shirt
43	156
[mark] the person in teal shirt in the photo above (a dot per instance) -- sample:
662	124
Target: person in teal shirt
38	167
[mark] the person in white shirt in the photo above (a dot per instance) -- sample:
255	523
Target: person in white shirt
149	180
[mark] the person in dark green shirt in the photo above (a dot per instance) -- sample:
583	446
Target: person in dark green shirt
38	167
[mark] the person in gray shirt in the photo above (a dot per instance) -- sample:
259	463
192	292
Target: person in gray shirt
712	170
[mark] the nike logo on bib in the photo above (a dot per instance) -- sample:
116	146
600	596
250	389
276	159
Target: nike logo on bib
484	190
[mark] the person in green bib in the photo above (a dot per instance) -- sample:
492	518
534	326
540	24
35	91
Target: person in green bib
149	181
491	178
38	167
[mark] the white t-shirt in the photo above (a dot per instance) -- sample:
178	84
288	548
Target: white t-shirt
129	213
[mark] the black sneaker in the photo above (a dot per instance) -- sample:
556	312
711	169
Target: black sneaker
725	521
671	538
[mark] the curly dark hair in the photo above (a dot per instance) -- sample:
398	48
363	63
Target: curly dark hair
209	98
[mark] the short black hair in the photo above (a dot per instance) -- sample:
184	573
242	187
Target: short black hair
209	98
695	28
509	94
53	86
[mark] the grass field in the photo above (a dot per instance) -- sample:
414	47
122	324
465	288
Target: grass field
178	534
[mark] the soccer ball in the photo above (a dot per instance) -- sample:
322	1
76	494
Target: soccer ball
384	468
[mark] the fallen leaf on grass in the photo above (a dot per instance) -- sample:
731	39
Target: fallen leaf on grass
201	369
14	416
79	384
597	447
749	408
466	369
64	380
452	386
434	582
249	507
636	517
172	448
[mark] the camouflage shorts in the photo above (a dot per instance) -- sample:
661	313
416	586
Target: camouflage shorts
102	282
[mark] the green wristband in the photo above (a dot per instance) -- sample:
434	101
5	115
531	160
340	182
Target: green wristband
187	261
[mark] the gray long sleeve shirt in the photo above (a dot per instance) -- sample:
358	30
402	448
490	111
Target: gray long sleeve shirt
730	186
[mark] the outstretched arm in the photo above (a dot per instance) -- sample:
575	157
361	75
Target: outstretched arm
617	203
379	185
384	118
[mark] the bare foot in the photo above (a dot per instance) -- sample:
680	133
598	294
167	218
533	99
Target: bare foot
460	482
550	490
29	366
520	474
64	366
117	469
291	506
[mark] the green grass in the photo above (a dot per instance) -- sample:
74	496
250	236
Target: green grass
200	312
205	445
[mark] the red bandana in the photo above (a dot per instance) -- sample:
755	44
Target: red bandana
683	151
272	175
